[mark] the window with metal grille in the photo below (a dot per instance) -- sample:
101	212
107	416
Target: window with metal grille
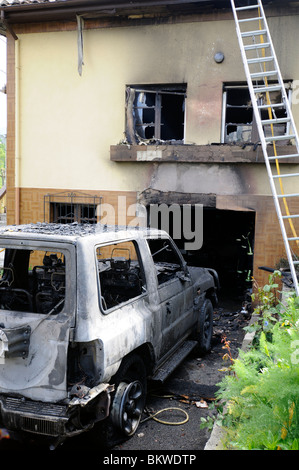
69	213
66	208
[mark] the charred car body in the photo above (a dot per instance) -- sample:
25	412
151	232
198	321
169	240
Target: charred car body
87	315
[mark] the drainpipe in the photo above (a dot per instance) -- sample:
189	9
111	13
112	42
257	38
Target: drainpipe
16	123
17	132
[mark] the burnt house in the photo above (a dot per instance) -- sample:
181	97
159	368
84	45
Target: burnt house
118	103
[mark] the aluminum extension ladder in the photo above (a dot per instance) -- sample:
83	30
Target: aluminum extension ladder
264	77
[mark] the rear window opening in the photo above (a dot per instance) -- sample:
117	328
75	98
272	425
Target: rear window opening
32	280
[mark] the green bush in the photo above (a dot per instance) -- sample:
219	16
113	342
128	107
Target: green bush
261	392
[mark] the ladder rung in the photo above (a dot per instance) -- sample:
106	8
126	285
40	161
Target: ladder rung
258	18
292	239
295	216
271	73
271	105
286	175
262	45
295	262
282	196
280	137
264	89
259	32
250	7
294	155
260	60
276	121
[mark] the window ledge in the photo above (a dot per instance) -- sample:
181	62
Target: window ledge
214	153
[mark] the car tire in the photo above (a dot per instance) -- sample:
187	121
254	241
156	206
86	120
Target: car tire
127	401
129	396
205	328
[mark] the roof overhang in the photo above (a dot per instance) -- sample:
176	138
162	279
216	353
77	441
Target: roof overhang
67	10
26	11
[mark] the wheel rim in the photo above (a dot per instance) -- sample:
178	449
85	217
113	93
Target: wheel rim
128	406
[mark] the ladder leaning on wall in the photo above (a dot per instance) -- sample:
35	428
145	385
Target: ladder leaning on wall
264	78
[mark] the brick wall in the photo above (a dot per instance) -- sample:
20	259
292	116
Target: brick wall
33	208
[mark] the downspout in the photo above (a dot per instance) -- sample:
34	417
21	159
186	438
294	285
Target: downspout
16	183
17	132
80	27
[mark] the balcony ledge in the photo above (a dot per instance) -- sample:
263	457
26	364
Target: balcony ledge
185	153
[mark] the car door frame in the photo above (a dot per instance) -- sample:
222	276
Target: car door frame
176	303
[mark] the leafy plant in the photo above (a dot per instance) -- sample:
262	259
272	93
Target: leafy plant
267	301
261	396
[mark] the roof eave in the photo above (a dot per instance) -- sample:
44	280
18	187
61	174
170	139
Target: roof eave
62	10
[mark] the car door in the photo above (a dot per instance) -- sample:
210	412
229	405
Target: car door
173	286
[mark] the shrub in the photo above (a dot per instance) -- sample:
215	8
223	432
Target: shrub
261	393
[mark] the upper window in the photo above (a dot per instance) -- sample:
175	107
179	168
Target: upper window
239	124
155	112
120	273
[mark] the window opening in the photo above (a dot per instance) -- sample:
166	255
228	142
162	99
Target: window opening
239	124
69	213
32	280
155	113
66	208
166	260
120	274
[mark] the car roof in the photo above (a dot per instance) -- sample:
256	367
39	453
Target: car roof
74	232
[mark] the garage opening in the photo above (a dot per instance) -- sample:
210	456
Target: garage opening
228	245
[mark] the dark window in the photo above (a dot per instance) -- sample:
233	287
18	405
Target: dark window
68	213
68	207
155	112
239	124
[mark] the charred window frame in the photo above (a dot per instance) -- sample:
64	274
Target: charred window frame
238	120
155	113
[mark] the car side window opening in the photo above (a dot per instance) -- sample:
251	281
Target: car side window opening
32	280
121	274
166	260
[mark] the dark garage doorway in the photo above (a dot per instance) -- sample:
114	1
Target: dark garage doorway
228	245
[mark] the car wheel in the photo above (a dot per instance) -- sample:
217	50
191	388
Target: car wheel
205	328
128	401
127	407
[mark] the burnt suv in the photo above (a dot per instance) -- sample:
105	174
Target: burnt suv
89	313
